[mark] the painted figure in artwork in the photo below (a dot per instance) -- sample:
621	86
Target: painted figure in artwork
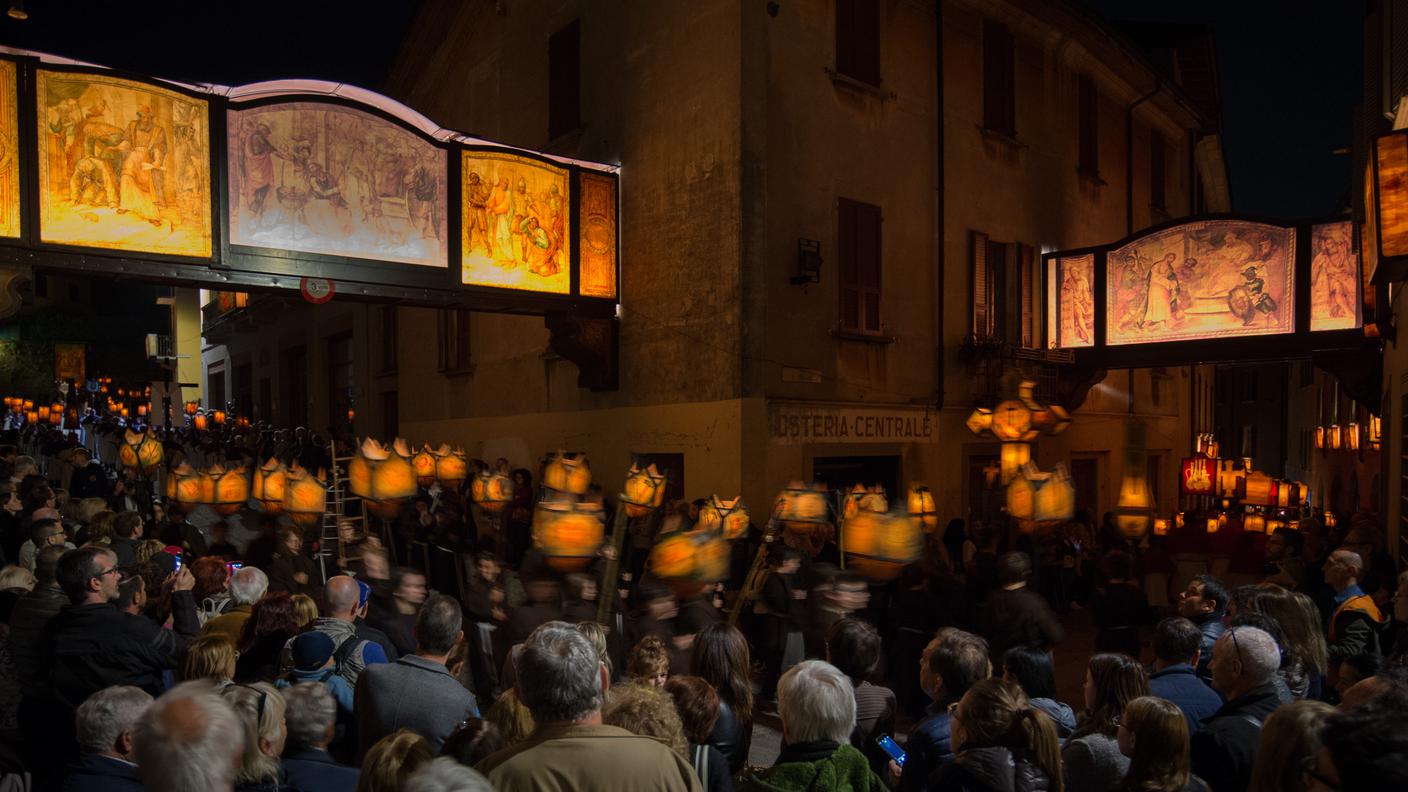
141	186
476	216
500	209
1162	292
1332	272
257	166
1250	298
1078	301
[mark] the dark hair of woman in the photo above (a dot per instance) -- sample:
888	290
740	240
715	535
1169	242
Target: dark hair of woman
721	658
1030	667
1118	679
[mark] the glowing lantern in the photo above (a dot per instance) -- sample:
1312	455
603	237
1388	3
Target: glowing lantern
423	463
568	533
1261	489
305	498
271	485
862	499
1330	520
1014	456
191	407
140	451
492	490
1351	436
1041	497
923	508
567	472
644	489
124	413
690	560
229	489
381	478
880	545
29	404
1272	526
728	518
200	422
56	417
1231	479
1254	523
219	417
1333	437
1161	527
451	467
186	486
801	509
43	412
1319	438
1012	420
980	421
1214	523
141	410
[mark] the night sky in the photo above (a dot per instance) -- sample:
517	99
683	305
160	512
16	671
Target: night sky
1290	70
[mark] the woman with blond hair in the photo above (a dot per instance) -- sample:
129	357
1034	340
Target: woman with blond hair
646	710
209	657
1291	735
305	608
261	712
512	717
1153	734
1003	743
393	760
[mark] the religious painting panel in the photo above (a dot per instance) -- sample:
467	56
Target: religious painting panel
1202	280
9	151
323	178
123	165
1334	278
69	361
598	243
515	230
1076	301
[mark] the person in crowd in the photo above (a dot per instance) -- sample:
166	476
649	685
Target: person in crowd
1363	749
13	577
417	691
290	570
1394	640
444	774
1389	685
395	613
1268	625
721	656
311	716
542	605
342	601
1284	566
89	480
209	657
646	710
1355	621
220	546
562	681
817	707
474	740
1203	603
1153	736
698	707
212	587
1355	668
1031	669
580	595
261	549
305	608
189	739
853	647
511	718
648	662
597	635
246	586
1091	757
261	712
841	595
313	662
952	663
32	611
272	623
780	608
392	761
43	532
1244	664
1177	643
105	725
1119	608
1306	655
182	534
1014	615
1003	743
1290	738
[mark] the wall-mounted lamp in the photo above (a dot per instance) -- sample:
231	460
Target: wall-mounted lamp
808	263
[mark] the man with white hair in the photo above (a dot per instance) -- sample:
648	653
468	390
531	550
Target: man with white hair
1355	622
562	680
818	711
447	775
104	725
1244	663
189	739
247	585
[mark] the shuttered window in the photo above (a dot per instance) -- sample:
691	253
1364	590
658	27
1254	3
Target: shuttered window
858	40
858	245
1026	272
565	80
1157	160
982	285
454	340
999	79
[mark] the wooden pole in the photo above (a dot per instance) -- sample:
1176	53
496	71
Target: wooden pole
611	574
756	574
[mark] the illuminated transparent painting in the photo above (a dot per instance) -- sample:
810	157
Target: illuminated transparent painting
515	230
598	245
122	165
1076	276
323	178
1334	278
9	152
1207	279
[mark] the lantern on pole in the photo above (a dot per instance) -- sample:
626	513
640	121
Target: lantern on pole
423	463
140	450
229	489
200	422
861	498
1014	455
187	486
192	407
306	496
271	485
690	560
492	490
567	472
923	508
451	467
644	490
801	508
568	533
384	480
881	544
727	518
219	417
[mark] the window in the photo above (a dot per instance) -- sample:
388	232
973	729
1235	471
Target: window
216	381
992	304
565	80
858	40
1089	132
390	414
858	240
340	380
388	339
1157	160
999	84
454	340
982	296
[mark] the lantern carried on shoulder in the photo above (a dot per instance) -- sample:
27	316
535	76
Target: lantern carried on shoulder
801	508
229	489
492	490
923	508
270	485
306	496
881	544
140	451
451	467
644	489
568	533
187	487
423	463
862	498
384	480
567	472
690	560
727	518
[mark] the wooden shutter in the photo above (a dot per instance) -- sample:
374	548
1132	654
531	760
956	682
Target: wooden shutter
858	246
846	239
1089	131
981	285
1026	266
999	95
858	40
565	80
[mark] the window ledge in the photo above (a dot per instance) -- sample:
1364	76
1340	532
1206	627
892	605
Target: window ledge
458	371
859	86
391	372
842	334
1000	137
1090	177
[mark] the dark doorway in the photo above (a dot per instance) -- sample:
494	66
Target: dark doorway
985	500
842	473
340	376
295	377
1085	476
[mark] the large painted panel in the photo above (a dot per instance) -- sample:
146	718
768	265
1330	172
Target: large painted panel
516	227
123	165
9	152
1201	280
322	178
1334	278
1076	296
598	245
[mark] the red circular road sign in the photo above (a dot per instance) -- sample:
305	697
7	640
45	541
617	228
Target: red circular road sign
316	290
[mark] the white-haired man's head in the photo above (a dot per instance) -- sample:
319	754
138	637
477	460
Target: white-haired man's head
447	775
106	720
189	739
816	702
1242	659
247	585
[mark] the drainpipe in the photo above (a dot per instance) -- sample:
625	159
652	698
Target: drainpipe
1129	155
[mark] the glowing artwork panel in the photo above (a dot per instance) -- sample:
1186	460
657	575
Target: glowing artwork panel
9	152
515	232
122	165
322	178
1200	280
598	242
1076	295
1334	278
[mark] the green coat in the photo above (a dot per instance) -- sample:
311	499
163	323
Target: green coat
846	770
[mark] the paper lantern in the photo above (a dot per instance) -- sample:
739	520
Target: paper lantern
271	485
29	404
1261	489
140	450
567	472
980	421
191	407
568	533
56	417
1254	523
229	491
187	487
200	422
1037	497
492	490
1272	526
689	561
451	467
1014	456
728	518
862	499
880	545
923	508
1012	420
801	509
305	498
42	413
32	417
1161	527
1330	520
1213	524
384	480
644	489
423	463
219	417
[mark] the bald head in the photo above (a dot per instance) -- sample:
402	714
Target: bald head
1348	559
47	513
341	595
1343	569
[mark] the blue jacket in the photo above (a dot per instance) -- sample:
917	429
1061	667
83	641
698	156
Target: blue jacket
1179	684
94	773
928	748
313	770
1212	628
336	685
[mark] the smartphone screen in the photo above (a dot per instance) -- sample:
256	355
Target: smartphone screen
233	565
891	748
178	562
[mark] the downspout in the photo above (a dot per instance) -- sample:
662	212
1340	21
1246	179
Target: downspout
1129	155
939	237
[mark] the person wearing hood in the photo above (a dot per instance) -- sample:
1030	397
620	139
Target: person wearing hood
1004	744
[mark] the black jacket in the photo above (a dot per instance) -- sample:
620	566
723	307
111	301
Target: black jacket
1019	617
733	739
32	611
93	773
312	770
1224	748
989	770
89	481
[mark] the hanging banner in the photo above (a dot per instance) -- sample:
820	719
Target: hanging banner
69	361
1199	476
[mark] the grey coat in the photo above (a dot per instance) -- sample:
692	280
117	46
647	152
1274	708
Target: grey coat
1093	763
411	693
